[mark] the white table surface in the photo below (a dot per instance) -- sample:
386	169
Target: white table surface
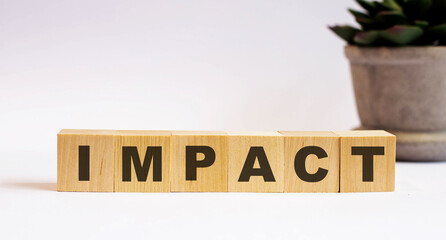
31	208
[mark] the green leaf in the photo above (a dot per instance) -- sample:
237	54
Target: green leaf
392	5
358	14
367	22
363	19
439	30
416	8
345	32
366	38
380	6
401	34
369	6
422	24
390	18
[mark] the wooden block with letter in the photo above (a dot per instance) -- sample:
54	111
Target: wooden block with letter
85	160
367	161
255	162
311	161
216	161
142	161
199	161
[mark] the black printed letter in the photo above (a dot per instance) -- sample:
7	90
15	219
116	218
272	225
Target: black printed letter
84	163
367	160
249	170
299	164
141	170
192	162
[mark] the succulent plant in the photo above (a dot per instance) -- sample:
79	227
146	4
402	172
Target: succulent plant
397	23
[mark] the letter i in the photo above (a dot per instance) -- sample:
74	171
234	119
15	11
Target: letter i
84	163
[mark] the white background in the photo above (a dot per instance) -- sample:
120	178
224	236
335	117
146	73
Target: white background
205	65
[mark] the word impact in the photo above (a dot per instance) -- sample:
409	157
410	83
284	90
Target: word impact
211	161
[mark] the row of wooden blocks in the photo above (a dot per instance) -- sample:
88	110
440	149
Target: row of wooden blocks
214	161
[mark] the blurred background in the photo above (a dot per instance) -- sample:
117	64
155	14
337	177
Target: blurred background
209	65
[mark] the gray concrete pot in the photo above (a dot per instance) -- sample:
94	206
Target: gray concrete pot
403	90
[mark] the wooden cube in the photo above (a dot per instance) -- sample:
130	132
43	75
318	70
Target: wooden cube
367	161
199	161
311	161
85	160
142	161
255	162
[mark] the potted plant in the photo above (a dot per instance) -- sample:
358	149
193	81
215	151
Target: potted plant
398	65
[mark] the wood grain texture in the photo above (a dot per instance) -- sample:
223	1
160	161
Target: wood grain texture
351	166
329	142
209	179
351	161
101	144
240	144
142	139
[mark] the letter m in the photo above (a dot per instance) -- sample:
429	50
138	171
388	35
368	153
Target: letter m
141	170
